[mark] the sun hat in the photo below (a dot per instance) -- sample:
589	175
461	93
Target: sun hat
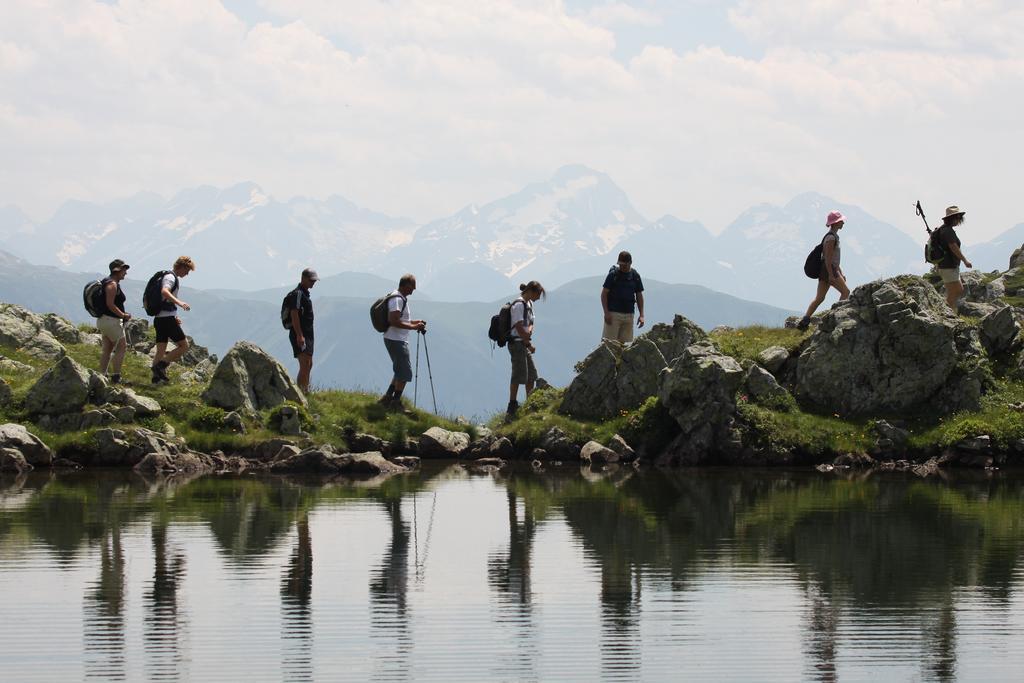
953	211
833	218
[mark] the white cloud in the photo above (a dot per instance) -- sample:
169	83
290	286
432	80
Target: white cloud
422	107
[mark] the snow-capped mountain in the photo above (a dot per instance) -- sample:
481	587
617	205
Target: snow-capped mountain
239	237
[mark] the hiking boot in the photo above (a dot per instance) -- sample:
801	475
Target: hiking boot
395	406
160	370
513	408
804	323
385	400
115	379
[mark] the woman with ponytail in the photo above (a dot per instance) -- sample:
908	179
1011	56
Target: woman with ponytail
520	343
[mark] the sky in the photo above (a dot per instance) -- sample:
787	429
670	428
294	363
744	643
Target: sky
418	108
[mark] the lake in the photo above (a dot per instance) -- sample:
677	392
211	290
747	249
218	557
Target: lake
561	575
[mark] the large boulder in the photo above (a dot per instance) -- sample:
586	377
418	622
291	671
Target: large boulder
64	388
1017	258
762	387
17	438
893	346
249	379
592	391
441	443
1000	330
62	329
638	372
24	330
699	388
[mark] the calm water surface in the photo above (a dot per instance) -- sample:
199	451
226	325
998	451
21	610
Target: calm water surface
442	575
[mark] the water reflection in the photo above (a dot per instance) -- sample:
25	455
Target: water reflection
163	621
103	624
389	591
296	607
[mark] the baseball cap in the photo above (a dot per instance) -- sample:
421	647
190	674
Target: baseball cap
118	264
311	274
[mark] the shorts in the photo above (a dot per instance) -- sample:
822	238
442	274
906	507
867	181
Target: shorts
620	329
307	337
523	369
400	362
111	328
167	327
949	275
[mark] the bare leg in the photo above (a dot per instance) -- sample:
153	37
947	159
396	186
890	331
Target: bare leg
179	350
839	282
954	290
107	346
305	367
823	286
119	351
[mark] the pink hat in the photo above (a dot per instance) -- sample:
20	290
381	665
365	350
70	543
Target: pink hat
833	218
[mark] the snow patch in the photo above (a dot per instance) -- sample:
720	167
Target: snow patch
610	235
516	268
725	264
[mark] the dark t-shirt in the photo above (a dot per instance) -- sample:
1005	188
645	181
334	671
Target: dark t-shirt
947	236
622	290
119	298
301	302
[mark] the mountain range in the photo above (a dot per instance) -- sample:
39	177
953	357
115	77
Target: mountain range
566	228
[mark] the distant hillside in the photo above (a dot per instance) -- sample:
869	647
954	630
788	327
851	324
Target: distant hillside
470	377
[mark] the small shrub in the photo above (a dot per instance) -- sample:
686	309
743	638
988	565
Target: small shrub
306	421
650	427
207	419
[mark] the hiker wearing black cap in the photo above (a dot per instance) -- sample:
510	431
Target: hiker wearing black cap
111	321
396	340
520	344
300	330
166	321
621	295
949	267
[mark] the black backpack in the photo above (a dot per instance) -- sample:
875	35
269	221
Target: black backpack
500	329
152	296
934	249
286	309
379	315
92	297
814	262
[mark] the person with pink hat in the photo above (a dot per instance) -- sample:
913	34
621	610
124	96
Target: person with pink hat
949	267
831	275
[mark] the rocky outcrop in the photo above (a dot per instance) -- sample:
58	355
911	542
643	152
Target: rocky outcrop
250	380
614	378
64	388
15	437
762	387
1000	330
893	346
23	330
441	443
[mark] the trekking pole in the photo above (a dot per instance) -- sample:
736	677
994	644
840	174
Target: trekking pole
426	351
416	378
920	212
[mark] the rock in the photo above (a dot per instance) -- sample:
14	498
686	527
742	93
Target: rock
128	448
977	460
541	383
502	449
144	406
96	418
441	443
894	346
497	463
898	437
539	455
125	414
370	463
409	462
18	438
596	454
162	462
773	359
249	379
265	451
365	443
637	376
324	460
98	387
762	386
12	460
976	309
23	330
290	422
689	448
202	372
721	329
13	366
234	422
6	395
287	451
975	444
1000	330
1017	258
558	446
61	329
197	355
619	445
854	460
62	389
673	339
699	388
592	392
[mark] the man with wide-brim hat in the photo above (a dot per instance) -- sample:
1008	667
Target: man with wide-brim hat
949	267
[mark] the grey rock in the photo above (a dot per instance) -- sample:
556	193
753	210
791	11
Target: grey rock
324	460
125	414
976	309
773	359
893	346
539	455
638	372
489	462
673	339
287	451
699	387
234	422
596	454
13	366
1017	258
69	422
96	418
290	422
502	449
365	443
21	329
185	462
265	451
721	329
441	443
6	395
762	386
144	405
1000	330
62	330
689	448
12	460
129	447
896	435
854	460
558	446
370	463
975	444
18	438
592	392
137	331
250	379
409	462
625	451
64	388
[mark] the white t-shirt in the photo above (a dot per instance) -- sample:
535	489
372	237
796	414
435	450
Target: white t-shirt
397	302
168	283
522	312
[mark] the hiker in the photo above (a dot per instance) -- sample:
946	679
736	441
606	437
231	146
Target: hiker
831	274
396	340
621	294
520	343
949	267
111	321
167	323
300	331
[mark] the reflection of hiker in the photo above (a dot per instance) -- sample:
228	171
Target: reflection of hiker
396	339
300	325
949	267
520	343
112	319
831	275
622	293
166	322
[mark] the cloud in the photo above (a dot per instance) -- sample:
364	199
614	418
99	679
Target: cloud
419	108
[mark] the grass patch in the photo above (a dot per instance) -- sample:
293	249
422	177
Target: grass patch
540	413
996	418
745	343
807	432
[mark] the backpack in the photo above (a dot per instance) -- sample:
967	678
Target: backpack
286	310
812	266
92	298
379	311
152	296
500	329
934	249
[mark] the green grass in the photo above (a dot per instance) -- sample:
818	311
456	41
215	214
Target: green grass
813	434
996	419
745	343
540	413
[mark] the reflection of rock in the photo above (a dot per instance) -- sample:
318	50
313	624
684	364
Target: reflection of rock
324	460
441	443
64	388
13	461
893	346
250	379
16	437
